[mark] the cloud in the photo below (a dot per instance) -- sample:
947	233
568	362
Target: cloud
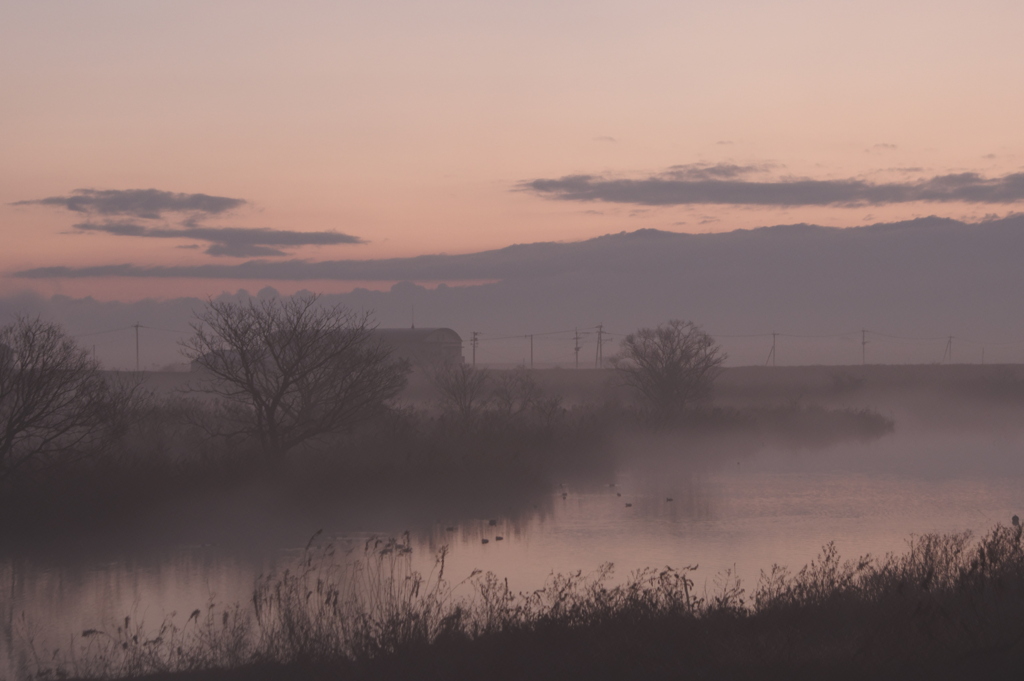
238	242
727	184
244	250
714	171
605	138
139	203
537	261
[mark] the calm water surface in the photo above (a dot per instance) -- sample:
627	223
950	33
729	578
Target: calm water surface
744	514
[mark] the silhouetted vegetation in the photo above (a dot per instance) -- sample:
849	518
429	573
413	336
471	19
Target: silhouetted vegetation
54	405
292	377
670	368
166	465
461	389
517	444
948	607
289	370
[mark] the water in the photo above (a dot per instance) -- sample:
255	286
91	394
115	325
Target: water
740	512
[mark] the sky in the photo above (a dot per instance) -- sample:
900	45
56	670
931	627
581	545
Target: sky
137	135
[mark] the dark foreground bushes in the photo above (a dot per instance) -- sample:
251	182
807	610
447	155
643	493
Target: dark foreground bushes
949	607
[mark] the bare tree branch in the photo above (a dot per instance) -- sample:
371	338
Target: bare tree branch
671	367
54	403
461	388
293	368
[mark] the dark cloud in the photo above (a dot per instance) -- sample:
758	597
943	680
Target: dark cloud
244	250
727	184
525	261
238	242
714	171
123	229
539	262
139	203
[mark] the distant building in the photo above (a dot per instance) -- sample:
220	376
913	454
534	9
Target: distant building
423	347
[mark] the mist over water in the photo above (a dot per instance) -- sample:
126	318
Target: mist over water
721	504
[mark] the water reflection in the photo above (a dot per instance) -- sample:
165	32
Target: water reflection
662	508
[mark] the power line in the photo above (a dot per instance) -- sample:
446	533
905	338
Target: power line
157	328
907	338
822	335
136	325
97	333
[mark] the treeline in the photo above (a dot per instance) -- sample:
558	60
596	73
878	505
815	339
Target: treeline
298	399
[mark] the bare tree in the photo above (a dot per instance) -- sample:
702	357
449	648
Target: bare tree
516	392
461	388
54	403
291	370
671	367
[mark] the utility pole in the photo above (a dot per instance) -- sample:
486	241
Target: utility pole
948	352
530	336
473	343
771	354
577	349
137	325
863	346
599	355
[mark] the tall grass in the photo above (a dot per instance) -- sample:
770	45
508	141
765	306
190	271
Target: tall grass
950	606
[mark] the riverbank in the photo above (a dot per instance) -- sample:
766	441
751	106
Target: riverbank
169	482
947	608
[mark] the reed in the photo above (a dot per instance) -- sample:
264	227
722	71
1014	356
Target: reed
948	607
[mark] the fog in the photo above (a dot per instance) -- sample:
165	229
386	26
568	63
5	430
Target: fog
182	489
880	294
787	460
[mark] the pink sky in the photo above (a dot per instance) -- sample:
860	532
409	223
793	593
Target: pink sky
412	124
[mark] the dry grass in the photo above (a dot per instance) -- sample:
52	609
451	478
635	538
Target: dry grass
949	607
